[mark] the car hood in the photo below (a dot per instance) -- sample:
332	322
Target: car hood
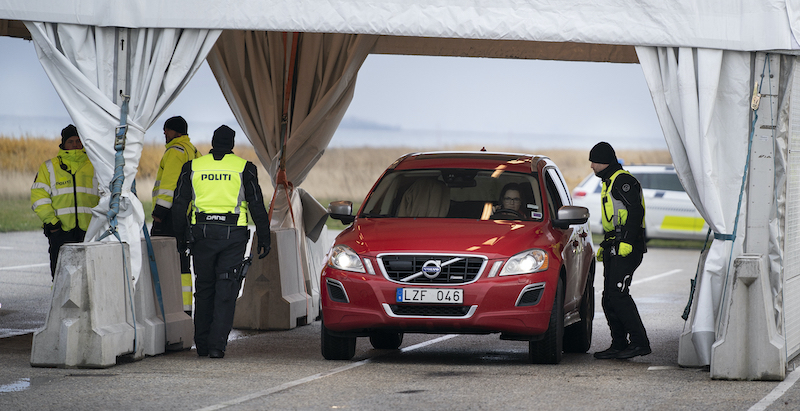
492	238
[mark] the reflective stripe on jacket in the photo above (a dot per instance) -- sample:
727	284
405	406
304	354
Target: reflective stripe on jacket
614	211
217	189
65	187
179	151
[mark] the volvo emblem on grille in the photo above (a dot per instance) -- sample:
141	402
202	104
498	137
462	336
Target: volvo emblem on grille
432	268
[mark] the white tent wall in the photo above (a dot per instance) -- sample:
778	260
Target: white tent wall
705	110
787	223
701	99
80	62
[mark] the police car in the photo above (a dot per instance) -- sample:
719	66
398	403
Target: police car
669	213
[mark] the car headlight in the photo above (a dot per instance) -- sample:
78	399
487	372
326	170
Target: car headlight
525	262
344	258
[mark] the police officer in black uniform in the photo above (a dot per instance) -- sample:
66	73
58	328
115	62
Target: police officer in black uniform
225	197
621	252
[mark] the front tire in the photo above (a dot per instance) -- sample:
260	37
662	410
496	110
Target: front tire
578	336
549	349
335	347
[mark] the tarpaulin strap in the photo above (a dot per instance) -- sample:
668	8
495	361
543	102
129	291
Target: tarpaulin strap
280	180
767	68
288	102
119	175
154	273
724	237
688	308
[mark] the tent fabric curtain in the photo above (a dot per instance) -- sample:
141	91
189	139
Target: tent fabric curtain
702	101
251	68
80	62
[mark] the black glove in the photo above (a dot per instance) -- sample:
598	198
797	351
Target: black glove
181	243
50	229
263	249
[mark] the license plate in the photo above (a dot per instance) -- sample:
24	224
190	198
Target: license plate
430	295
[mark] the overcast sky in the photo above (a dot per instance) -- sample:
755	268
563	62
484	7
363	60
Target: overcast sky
412	92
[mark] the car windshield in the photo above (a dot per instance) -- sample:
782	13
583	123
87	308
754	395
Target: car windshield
456	193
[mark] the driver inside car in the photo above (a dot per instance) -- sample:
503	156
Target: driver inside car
510	199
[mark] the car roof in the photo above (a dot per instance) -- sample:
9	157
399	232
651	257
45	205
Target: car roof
470	159
650	168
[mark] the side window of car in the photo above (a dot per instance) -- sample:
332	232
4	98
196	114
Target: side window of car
554	201
660	181
559	186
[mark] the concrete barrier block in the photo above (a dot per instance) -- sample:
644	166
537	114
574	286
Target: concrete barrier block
750	347
148	315
179	326
90	322
316	255
274	296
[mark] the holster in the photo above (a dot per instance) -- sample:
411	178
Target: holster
237	272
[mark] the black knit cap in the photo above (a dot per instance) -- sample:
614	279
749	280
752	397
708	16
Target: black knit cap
176	124
67	132
222	142
603	153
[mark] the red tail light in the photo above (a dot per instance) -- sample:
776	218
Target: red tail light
579	193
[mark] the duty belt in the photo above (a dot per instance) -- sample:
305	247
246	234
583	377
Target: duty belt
217	218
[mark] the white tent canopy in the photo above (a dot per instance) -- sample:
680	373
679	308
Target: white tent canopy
744	25
698	59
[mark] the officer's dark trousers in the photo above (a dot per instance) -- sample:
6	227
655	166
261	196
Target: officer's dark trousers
59	238
216	250
620	310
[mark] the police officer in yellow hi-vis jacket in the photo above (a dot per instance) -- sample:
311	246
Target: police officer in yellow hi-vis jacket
225	197
179	150
63	194
621	252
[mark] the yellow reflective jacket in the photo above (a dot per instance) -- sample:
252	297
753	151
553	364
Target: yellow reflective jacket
615	214
65	190
179	151
218	193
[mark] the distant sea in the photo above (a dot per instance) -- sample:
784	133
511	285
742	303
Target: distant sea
355	133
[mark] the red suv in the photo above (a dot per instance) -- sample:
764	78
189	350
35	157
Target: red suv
462	242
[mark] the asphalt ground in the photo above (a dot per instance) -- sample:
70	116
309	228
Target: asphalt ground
285	370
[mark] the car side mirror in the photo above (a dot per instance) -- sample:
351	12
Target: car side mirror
569	215
342	211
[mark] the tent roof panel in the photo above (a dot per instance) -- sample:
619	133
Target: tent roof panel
723	24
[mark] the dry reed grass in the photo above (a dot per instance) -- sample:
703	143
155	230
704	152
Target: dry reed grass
25	154
341	173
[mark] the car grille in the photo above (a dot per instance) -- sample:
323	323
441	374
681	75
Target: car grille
431	310
455	269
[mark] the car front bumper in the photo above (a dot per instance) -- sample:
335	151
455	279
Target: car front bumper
357	304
